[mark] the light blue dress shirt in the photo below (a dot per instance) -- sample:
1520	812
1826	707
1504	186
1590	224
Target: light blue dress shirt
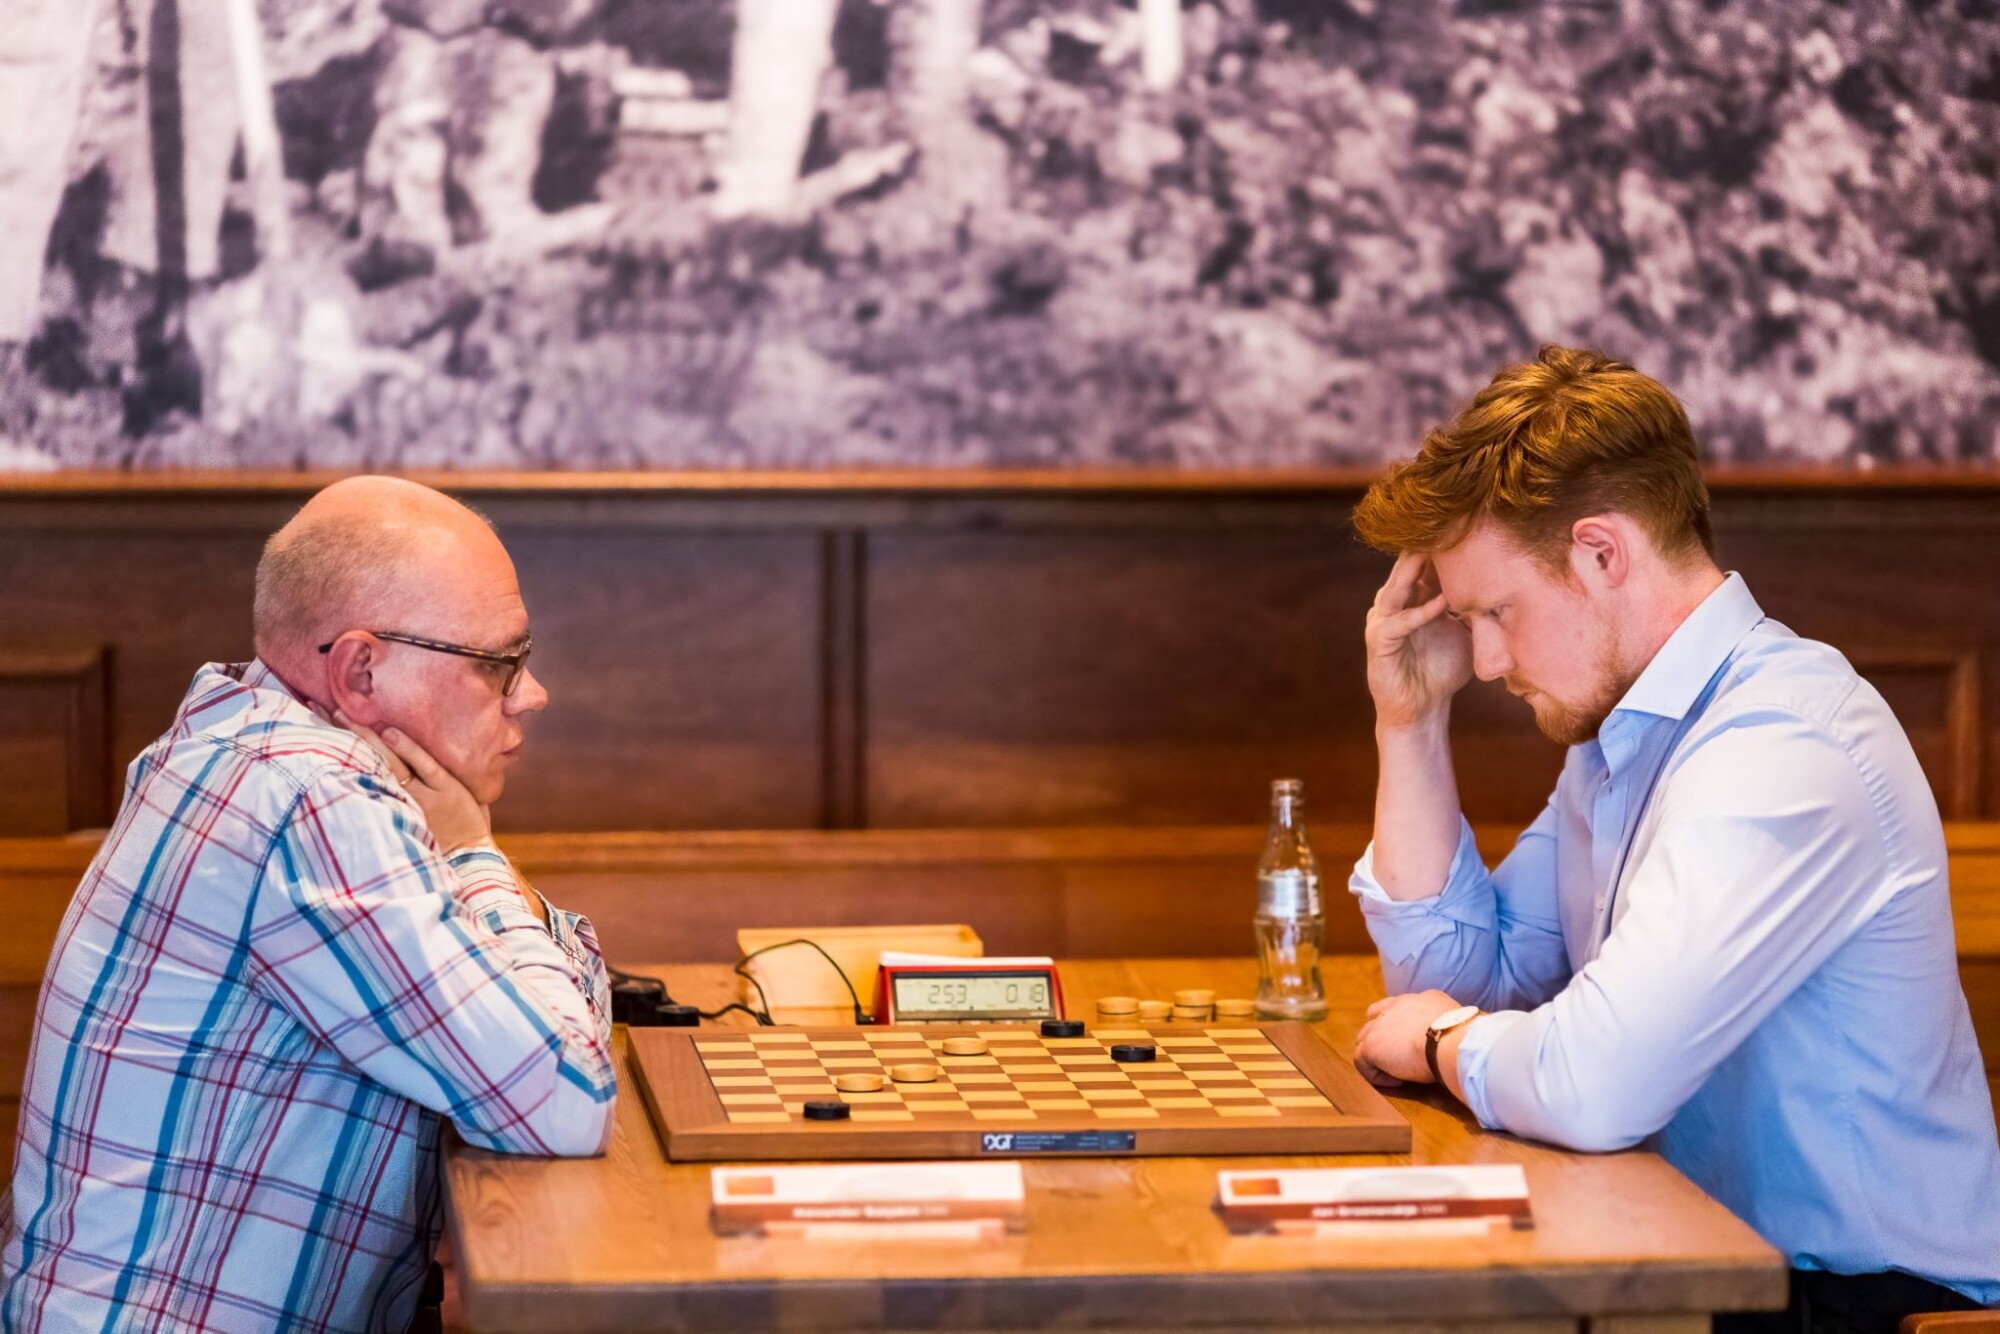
1770	987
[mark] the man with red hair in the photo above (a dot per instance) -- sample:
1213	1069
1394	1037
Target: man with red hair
1729	931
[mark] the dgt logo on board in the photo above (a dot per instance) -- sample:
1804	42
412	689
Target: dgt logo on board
1000	1143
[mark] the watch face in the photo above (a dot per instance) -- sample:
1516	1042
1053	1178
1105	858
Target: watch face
1451	1019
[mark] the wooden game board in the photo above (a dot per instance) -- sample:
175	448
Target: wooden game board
1227	1088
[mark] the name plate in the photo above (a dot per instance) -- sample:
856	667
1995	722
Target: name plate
1339	1199
933	1201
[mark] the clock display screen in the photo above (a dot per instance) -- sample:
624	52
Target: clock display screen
973	994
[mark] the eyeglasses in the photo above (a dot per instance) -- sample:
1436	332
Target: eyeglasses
514	662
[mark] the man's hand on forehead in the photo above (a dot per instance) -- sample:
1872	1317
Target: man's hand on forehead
1416	659
1428	585
1411	583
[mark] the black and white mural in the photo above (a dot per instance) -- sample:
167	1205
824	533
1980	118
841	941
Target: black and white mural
826	233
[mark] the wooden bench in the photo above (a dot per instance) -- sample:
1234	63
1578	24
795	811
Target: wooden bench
1077	893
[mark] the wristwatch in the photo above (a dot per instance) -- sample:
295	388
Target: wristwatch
1440	1026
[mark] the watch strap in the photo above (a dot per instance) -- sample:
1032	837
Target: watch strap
1434	1036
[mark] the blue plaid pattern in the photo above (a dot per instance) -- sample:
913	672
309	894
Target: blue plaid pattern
269	992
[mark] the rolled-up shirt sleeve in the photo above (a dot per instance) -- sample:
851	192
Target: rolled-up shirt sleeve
431	976
1488	939
1767	859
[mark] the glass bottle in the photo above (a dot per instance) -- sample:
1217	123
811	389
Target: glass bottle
1290	926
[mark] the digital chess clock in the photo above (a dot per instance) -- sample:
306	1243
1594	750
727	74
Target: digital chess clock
931	989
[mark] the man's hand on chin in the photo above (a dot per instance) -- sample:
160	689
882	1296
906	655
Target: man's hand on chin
457	819
1390	1050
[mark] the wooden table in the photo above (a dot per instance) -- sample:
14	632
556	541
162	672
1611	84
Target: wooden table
1623	1243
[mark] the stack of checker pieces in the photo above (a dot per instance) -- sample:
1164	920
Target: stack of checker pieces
1196	1004
741	1095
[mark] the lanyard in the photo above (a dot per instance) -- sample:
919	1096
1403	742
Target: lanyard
1686	724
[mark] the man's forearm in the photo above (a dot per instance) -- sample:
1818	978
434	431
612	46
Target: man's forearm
1416	808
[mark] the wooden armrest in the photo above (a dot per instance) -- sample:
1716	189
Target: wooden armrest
1951	1322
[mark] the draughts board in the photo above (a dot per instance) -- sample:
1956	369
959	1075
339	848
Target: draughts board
1277	1088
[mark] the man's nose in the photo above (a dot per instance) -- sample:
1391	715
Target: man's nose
528	696
1490	658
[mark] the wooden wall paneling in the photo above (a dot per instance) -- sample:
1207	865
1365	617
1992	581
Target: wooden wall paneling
1014	910
160	584
1975	905
37	879
17	1020
927	650
1022	676
843	653
1937	695
1170	906
1974	850
38	887
1898	580
54	731
1068	892
1074	892
1981	979
707	886
682	649
684	674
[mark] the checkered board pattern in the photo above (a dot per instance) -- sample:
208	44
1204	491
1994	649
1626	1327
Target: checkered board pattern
740	1094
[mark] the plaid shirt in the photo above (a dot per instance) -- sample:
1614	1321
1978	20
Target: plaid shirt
269	992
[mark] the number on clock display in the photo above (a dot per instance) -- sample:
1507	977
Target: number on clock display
978	995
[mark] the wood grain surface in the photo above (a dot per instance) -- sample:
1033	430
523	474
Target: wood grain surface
936	650
623	1242
1078	892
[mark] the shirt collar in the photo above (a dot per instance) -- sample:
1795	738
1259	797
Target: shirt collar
1679	671
257	676
225	689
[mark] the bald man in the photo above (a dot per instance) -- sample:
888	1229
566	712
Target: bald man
298	953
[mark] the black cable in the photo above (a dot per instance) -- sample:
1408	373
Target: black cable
637	981
762	999
763	1015
760	1016
860	1019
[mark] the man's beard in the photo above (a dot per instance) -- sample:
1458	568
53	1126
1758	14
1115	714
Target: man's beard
1569	724
1572	724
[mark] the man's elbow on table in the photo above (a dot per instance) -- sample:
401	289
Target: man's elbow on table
1594	1114
561	1106
581	1127
584	1132
1596	1134
574	1124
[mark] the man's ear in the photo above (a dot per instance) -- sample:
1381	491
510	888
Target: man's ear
350	677
1600	551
